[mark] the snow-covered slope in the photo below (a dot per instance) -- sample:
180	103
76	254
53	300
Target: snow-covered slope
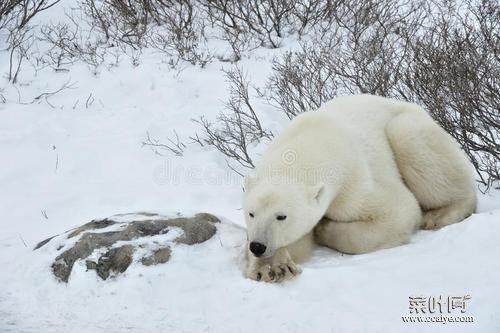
79	156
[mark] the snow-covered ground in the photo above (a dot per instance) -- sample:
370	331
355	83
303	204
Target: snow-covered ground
78	158
202	289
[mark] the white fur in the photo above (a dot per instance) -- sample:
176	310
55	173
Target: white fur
362	173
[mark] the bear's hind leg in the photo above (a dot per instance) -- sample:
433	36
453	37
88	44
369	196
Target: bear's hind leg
394	218
359	236
446	215
433	167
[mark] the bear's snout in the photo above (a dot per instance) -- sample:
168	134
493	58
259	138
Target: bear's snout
257	248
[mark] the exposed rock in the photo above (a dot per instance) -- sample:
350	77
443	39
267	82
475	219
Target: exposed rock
42	243
195	230
94	224
115	260
159	256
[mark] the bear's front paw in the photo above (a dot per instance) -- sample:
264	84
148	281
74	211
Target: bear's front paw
275	273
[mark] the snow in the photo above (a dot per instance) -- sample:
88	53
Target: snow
203	288
75	162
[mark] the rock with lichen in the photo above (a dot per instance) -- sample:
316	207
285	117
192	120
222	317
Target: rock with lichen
109	246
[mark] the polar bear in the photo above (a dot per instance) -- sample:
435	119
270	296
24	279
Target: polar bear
362	173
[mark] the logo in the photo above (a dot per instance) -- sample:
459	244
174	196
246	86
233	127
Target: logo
438	309
289	156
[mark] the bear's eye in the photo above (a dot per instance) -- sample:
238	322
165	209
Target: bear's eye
281	217
251	214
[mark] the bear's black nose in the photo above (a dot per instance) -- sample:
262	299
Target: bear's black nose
257	249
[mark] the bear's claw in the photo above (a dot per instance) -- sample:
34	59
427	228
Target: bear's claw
275	273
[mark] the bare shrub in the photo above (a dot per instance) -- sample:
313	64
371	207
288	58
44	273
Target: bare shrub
129	26
20	42
6	8
15	18
236	130
119	21
174	145
171	26
302	81
70	42
181	31
45	96
249	24
362	49
241	21
455	74
16	14
2	97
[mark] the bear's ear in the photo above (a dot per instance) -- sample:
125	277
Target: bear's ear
249	183
316	192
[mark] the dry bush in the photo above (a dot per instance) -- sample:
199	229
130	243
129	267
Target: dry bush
174	145
243	20
16	14
99	28
6	8
177	27
302	81
249	24
233	132
362	49
2	97
120	21
455	74
171	26
311	14
15	19
70	42
237	128
180	32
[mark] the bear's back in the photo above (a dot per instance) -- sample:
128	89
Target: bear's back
354	125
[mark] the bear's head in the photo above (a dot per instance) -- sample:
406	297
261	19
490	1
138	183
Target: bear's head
278	213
